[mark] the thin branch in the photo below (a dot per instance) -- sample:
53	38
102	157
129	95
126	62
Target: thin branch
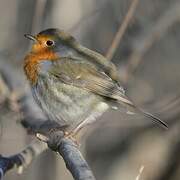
36	123
144	43
140	173
121	30
75	161
8	96
73	158
38	14
85	18
22	159
4	89
7	163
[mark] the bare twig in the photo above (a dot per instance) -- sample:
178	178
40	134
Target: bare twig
23	159
140	173
85	18
6	95
75	161
122	29
157	31
38	14
4	90
7	163
73	158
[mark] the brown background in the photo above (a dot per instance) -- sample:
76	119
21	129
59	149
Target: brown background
119	144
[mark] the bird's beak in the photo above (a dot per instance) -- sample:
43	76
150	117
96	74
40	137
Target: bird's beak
28	36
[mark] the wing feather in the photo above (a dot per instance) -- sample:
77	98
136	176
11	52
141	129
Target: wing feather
85	75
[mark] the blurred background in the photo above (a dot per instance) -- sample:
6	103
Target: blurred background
118	146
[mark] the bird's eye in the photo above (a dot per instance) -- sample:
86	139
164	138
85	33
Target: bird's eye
49	43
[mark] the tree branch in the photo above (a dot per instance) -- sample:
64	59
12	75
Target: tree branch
34	121
73	158
155	33
22	159
121	30
75	161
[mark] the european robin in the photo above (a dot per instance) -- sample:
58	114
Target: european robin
72	84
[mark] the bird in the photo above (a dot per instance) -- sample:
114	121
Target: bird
72	84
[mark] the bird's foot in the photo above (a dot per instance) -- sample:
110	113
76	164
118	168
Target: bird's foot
48	132
56	134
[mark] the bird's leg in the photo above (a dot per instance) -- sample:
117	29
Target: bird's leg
49	133
78	128
100	108
75	131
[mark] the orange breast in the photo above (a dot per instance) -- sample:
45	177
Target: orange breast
31	63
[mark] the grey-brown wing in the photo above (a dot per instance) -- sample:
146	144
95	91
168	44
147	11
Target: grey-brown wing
85	75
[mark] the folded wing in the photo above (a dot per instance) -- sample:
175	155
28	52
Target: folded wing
85	75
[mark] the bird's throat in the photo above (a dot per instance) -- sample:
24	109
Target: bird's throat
31	64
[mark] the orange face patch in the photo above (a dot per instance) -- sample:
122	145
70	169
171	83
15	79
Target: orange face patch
39	52
41	45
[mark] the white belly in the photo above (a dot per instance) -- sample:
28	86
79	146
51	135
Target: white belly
66	104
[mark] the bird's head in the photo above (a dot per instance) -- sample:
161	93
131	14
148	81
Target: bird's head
51	40
48	45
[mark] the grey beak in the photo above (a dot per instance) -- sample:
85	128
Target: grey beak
28	36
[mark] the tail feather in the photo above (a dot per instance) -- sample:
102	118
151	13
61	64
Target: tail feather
154	118
130	104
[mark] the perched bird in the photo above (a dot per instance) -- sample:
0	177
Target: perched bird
72	84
